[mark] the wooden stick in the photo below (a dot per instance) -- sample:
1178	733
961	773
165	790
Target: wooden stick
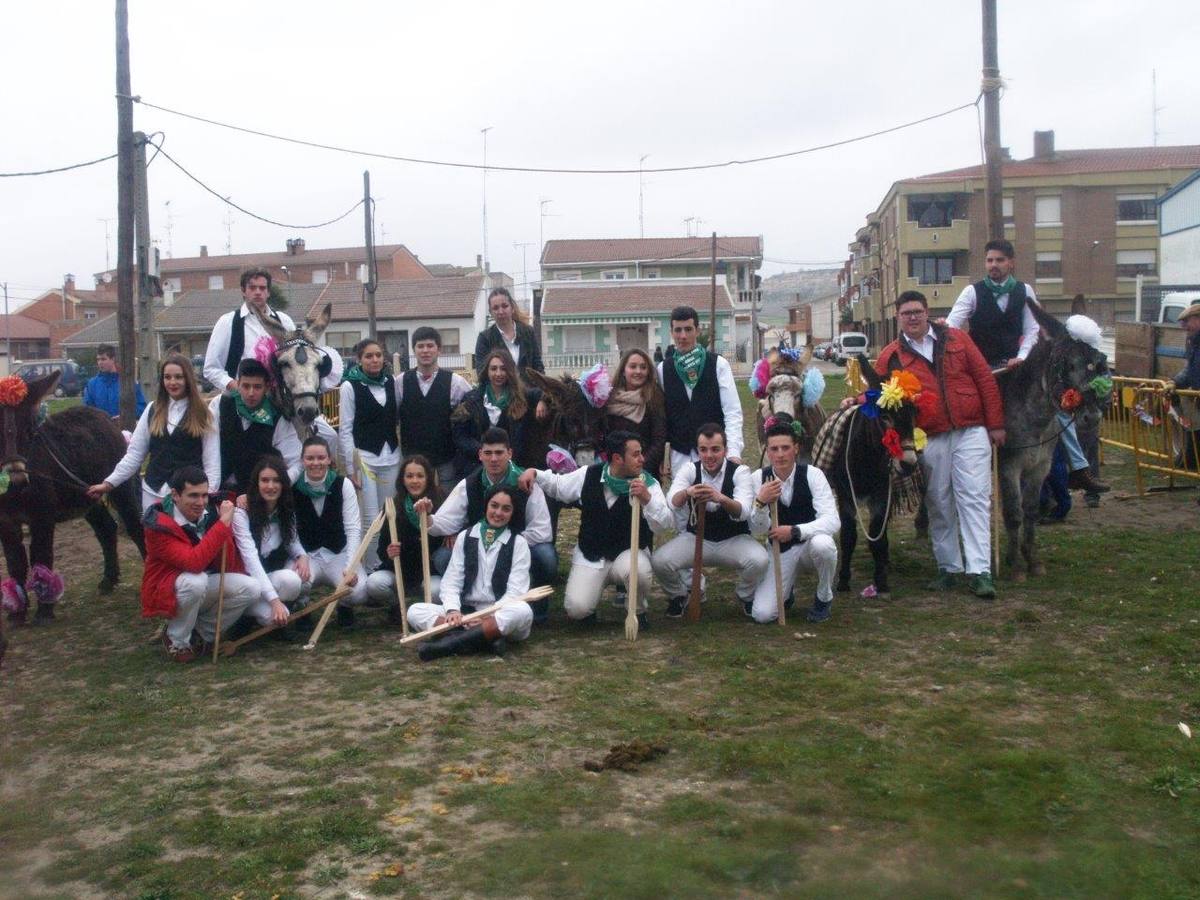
693	607
775	554
665	469
631	595
231	647
425	556
355	562
995	512
390	510
220	599
536	594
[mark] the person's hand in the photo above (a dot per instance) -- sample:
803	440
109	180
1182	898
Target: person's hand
279	612
781	533
543	411
424	505
96	491
303	569
939	321
526	480
356	480
243	502
736	460
226	512
1013	363
454	617
704	493
231	387
350	578
997	436
637	488
848	402
770	491
393	549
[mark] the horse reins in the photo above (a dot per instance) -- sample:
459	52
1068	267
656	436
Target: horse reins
887	512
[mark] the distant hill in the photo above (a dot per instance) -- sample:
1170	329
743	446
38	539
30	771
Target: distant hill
779	291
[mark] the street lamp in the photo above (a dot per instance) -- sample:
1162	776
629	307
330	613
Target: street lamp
288	275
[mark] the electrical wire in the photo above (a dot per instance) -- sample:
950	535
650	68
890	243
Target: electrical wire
59	169
546	170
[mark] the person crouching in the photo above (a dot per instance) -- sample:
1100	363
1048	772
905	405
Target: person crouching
489	564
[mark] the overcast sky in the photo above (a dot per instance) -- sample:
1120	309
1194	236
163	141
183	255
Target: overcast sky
561	84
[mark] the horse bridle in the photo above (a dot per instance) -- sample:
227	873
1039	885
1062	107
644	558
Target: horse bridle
302	345
9	430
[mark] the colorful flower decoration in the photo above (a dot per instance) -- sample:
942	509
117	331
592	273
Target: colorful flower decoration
1070	399
908	381
13	390
902	387
891	443
920	439
264	352
596	385
1102	385
814	387
870	404
760	377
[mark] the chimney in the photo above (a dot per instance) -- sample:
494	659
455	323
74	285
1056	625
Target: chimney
69	284
204	249
479	261
1043	144
298	246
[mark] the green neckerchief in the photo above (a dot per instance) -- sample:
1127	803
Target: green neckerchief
356	373
501	402
304	487
265	414
489	534
1004	287
413	519
690	365
510	477
620	486
168	507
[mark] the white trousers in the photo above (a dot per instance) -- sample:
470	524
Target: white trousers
287	586
513	619
381	587
819	553
586	583
673	562
958	494
327	568
378	483
196	595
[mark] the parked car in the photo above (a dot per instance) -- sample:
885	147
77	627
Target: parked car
823	350
1174	303
70	383
850	343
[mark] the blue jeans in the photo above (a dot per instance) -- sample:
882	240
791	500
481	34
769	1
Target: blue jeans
1070	443
1054	488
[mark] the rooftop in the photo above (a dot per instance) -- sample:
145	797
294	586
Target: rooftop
276	258
198	310
615	250
404	299
21	328
1082	162
574	298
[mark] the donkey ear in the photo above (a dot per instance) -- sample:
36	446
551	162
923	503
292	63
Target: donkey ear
874	382
40	388
314	329
273	328
1049	324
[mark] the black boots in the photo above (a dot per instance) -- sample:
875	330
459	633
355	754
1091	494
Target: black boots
463	641
1083	480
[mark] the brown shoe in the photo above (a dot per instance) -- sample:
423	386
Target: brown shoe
1082	480
178	654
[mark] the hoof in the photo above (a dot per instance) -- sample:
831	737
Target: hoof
44	614
106	586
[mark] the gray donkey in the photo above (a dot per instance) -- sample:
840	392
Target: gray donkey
297	366
1060	373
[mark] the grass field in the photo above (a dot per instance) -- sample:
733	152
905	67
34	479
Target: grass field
931	746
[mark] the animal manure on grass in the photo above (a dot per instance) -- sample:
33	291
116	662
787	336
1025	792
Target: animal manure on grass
627	757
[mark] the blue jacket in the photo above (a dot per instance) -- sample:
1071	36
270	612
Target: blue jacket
102	392
1189	377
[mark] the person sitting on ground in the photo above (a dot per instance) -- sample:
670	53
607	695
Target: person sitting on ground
490	564
182	580
602	553
103	389
725	490
417	481
808	520
249	427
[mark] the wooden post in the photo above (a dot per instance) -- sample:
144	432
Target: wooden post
775	557
126	333
390	509
631	595
220	599
425	556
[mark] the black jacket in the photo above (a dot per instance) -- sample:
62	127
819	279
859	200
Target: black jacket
490	339
470	420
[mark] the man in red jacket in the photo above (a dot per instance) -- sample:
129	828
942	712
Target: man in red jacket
181	580
960	412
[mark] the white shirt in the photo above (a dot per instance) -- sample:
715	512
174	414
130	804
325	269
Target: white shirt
731	406
218	347
139	446
923	346
514	349
346	448
459	386
964	308
351	520
686	477
827	521
451	516
284	440
271	539
568	488
480	593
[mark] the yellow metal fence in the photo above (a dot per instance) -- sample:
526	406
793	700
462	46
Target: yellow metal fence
1158	425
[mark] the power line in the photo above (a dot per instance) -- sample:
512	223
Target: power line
59	169
544	170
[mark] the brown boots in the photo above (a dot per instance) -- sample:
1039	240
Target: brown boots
1083	480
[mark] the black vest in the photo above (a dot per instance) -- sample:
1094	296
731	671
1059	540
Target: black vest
276	559
409	536
169	452
241	448
604	531
684	417
801	510
237	343
471	567
425	419
476	493
375	425
327	530
996	332
718	525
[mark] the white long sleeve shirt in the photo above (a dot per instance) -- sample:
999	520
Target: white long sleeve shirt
346	413
139	446
250	553
827	521
964	308
480	593
731	406
451	517
218	348
743	493
285	441
459	386
351	519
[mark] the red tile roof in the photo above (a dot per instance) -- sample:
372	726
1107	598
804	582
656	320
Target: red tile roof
315	257
406	299
648	249
22	328
1084	162
567	298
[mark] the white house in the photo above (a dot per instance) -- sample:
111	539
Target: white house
1179	233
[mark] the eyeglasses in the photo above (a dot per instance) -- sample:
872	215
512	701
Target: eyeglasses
912	313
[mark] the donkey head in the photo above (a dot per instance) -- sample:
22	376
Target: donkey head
18	422
299	364
900	418
1075	365
574	423
785	390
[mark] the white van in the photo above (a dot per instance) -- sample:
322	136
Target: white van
850	343
1174	303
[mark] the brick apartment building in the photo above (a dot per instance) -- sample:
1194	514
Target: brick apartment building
64	317
1081	221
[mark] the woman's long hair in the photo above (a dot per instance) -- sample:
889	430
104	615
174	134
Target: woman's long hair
517	407
432	489
198	419
517	313
656	401
257	506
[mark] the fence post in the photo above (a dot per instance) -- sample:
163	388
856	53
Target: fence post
1135	421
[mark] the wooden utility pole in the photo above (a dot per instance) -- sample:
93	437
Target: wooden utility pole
712	317
126	161
994	195
370	245
147	271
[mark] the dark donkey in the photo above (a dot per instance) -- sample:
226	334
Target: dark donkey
49	467
1061	373
860	449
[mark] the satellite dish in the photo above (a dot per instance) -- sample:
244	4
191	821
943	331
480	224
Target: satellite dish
107	277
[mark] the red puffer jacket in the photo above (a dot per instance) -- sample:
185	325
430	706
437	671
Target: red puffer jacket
170	552
965	388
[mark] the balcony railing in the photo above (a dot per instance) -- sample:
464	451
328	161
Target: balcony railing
745	298
955	236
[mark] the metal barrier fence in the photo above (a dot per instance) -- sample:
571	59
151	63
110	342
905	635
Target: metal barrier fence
1158	425
329	406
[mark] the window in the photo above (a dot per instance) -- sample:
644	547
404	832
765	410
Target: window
216	282
935	210
89	314
931	269
451	343
1136	208
651	273
320	276
579	338
1048	266
1048	210
173	285
343	341
567	276
1006	208
1131	263
613	275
